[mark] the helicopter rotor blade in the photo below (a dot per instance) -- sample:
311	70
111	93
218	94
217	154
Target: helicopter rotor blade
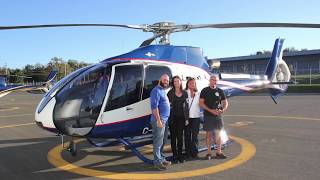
172	27
252	25
164	29
72	25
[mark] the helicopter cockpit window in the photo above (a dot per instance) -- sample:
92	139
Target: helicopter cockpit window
79	102
153	74
59	85
126	87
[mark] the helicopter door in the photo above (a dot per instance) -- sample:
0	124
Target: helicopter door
125	94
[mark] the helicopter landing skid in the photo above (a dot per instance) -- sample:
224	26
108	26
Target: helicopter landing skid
127	145
135	151
104	143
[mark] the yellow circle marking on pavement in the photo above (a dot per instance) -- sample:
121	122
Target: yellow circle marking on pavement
248	150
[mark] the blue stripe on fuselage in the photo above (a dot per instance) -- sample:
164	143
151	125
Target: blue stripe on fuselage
126	128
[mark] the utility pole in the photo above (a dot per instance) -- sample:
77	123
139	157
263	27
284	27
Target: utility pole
295	72
65	69
310	75
319	64
6	69
65	66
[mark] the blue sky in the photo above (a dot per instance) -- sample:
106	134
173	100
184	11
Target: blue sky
93	44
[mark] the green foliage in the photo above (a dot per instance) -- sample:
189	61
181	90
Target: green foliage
290	49
16	76
39	72
303	88
305	79
65	67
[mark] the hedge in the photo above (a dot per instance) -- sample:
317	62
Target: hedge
304	88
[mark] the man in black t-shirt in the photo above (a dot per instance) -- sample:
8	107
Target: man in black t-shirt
214	103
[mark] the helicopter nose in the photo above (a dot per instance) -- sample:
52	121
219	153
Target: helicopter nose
79	102
44	118
73	105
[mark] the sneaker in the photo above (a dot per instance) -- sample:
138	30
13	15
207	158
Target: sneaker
174	161
220	156
187	158
181	160
166	163
160	167
195	156
208	157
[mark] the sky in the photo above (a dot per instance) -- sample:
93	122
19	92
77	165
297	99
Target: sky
93	44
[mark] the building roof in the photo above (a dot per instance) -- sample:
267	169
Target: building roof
267	56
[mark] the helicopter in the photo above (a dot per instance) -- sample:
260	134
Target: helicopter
44	88
108	103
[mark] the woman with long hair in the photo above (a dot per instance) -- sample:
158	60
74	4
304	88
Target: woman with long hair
178	118
192	129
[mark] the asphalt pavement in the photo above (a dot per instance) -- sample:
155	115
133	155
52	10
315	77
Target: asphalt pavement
270	141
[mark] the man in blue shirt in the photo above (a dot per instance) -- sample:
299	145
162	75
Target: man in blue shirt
160	108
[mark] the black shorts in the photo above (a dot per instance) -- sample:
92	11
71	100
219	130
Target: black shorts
212	122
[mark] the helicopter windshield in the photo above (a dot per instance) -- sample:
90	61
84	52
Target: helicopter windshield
79	102
58	86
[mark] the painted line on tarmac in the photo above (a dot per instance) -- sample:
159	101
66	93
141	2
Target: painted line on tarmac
3	94
10	109
16	125
17	115
241	123
248	150
281	117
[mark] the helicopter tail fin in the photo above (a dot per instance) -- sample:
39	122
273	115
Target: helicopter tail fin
50	80
278	72
52	75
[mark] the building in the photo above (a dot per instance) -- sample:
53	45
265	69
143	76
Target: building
299	62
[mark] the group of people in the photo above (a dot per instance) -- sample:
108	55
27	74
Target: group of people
179	112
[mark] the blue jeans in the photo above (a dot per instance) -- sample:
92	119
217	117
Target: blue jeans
159	136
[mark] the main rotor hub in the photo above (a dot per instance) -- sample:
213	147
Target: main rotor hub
162	30
164	25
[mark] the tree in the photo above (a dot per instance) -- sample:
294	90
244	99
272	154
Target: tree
16	76
290	49
39	72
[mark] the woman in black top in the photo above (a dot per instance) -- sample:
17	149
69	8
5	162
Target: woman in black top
179	114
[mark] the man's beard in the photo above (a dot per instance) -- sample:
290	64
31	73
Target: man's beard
213	86
163	85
